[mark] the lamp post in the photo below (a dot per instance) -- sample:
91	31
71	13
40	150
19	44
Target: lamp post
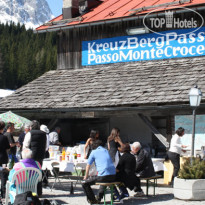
194	99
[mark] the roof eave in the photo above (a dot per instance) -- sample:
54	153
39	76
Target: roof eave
127	18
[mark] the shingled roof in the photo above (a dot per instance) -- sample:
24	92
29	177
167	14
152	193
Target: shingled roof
141	83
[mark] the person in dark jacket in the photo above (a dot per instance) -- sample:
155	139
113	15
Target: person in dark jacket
144	166
126	167
13	144
36	141
125	172
4	146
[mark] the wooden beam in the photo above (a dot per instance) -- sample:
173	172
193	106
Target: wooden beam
161	138
52	123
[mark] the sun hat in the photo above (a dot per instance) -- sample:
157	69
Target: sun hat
44	128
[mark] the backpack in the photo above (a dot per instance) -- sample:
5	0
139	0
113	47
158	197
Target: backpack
26	199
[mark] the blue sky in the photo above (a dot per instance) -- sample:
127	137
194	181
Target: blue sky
56	6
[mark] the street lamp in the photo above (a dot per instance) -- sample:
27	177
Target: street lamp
194	99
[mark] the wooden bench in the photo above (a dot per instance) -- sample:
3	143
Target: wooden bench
153	183
107	185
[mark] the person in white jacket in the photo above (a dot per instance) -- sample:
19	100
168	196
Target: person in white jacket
175	150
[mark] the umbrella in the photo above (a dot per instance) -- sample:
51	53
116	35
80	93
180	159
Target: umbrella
18	121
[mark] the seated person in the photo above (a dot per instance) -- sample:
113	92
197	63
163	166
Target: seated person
125	172
144	166
26	162
105	168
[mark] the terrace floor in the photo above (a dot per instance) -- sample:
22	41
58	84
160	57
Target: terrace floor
61	195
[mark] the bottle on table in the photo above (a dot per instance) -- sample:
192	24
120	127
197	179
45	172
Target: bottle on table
67	158
51	152
71	188
75	155
63	154
11	162
78	154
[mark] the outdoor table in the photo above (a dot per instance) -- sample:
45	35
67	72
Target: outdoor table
64	166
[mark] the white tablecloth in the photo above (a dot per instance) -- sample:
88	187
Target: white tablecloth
64	166
158	164
67	166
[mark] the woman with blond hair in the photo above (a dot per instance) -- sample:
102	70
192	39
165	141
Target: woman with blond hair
113	142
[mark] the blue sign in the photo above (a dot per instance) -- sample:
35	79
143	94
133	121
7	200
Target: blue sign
172	44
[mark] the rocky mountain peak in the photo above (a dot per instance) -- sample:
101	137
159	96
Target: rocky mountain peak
32	13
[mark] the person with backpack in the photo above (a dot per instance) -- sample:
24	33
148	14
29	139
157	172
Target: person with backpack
36	141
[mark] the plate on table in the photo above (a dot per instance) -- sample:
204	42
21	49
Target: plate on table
47	159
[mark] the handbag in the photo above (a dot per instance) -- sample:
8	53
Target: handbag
26	198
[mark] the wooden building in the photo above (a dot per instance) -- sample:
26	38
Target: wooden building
106	78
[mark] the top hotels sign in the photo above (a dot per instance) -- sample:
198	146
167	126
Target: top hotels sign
172	44
170	21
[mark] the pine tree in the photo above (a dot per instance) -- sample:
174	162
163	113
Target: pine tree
24	56
194	171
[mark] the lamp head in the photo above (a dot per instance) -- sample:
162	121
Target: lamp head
137	30
195	96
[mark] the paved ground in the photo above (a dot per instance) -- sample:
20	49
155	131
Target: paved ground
164	195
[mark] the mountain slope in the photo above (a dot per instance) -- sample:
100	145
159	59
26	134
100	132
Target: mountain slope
32	13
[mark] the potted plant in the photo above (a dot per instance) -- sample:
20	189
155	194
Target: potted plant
190	184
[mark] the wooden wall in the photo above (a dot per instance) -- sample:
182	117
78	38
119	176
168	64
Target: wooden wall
70	40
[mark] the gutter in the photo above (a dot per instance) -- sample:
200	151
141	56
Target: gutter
57	28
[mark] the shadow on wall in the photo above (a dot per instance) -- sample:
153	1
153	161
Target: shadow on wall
157	151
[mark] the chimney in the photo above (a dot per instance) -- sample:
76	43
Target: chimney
86	5
70	9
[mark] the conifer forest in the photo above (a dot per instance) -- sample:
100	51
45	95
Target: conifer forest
24	55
